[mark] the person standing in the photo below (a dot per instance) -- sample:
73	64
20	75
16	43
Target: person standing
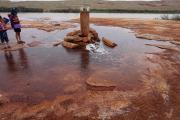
15	24
3	33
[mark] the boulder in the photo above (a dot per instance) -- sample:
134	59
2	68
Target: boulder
108	42
69	45
86	39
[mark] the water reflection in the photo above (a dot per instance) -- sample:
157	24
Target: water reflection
12	65
23	59
84	59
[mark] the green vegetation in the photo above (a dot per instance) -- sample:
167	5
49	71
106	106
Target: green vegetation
21	9
165	6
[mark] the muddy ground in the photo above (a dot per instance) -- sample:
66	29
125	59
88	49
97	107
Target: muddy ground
149	91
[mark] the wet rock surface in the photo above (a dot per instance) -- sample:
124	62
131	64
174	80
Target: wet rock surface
99	84
51	83
47	26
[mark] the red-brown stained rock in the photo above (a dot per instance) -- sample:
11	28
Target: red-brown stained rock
108	42
100	84
69	45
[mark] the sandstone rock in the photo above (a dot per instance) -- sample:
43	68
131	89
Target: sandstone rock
76	32
73	39
108	42
86	39
100	84
94	34
69	45
70	38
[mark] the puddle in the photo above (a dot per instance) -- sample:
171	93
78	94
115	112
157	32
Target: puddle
38	73
42	73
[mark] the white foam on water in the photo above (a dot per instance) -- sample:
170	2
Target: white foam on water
96	48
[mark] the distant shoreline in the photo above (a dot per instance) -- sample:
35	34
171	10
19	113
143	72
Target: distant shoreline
35	10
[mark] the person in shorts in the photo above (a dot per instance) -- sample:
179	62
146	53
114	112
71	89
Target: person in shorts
15	23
